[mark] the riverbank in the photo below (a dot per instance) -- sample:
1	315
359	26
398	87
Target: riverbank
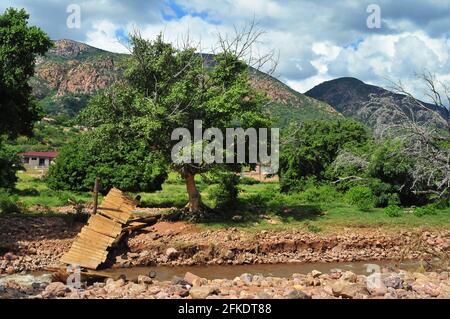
34	243
337	284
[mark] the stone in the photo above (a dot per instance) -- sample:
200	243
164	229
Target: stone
176	280
246	278
172	253
296	294
183	292
348	290
431	290
229	254
316	273
237	218
55	289
10	270
201	292
349	276
144	280
133	255
392	280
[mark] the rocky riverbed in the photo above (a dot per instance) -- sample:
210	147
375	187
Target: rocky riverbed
28	244
339	284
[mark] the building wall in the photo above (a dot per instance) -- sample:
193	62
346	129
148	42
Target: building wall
34	162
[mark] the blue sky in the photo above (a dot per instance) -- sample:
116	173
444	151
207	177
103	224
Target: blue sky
317	40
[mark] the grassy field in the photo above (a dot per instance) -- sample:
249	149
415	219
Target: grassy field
33	191
260	206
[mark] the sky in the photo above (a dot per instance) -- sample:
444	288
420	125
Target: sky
316	40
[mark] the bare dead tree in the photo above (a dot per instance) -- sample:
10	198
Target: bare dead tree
423	129
243	44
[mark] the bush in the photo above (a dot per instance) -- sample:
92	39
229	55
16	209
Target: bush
248	181
130	166
424	211
224	195
393	211
360	196
9	203
320	194
9	165
313	148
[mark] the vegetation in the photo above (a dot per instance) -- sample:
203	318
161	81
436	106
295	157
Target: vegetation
20	44
131	166
312	148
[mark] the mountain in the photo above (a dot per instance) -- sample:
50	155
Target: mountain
356	99
72	72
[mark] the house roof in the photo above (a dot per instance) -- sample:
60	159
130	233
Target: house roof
40	154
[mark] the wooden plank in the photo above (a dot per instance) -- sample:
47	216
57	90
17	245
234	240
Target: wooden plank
90	248
105	226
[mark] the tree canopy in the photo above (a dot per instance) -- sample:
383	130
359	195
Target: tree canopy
20	44
168	88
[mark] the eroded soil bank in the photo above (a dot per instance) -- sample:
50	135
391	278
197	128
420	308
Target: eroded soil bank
28	244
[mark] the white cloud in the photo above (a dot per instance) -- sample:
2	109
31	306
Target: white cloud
312	36
103	36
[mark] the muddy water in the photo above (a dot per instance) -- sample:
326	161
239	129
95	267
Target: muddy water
163	273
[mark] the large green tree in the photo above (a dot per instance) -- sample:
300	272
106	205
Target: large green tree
20	44
169	88
312	147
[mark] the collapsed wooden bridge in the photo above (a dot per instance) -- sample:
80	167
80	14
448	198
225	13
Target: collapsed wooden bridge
103	230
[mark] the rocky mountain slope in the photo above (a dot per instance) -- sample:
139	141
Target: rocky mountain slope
356	99
72	72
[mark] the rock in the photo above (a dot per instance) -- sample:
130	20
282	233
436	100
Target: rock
172	253
316	273
194	280
246	278
10	270
296	294
345	289
349	276
263	295
132	255
201	292
229	254
144	280
432	290
118	283
392	280
55	289
176	280
237	218
183	292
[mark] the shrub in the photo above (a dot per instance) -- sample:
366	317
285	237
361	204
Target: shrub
424	211
249	181
9	203
360	196
131	166
9	165
225	193
320	194
313	148
393	211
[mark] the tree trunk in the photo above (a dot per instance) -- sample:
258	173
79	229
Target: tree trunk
195	202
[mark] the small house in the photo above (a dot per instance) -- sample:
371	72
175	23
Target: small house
38	159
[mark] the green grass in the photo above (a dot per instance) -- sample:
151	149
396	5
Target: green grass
261	206
33	191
